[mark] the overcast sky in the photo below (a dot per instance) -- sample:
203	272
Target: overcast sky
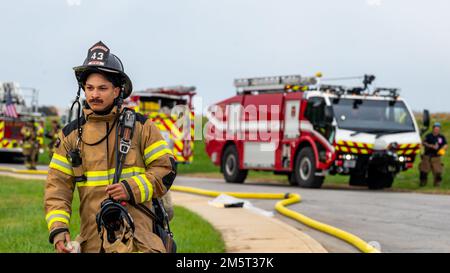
208	43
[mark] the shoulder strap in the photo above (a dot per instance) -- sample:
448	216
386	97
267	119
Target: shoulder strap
125	130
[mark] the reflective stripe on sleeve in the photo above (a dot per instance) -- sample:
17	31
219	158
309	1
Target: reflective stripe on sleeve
61	163
156	150
145	187
57	216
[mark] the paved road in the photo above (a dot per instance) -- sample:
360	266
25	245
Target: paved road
399	222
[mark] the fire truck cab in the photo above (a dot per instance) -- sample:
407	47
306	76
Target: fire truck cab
296	126
171	110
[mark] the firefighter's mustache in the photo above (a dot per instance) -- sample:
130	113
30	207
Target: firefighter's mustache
95	101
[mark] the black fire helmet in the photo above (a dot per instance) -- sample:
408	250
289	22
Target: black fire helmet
100	60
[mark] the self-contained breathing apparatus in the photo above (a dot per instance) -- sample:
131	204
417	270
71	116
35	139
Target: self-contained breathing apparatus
114	223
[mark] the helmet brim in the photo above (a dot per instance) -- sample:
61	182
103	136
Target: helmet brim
82	71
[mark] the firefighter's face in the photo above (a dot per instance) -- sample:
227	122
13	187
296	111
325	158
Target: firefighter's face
100	93
436	130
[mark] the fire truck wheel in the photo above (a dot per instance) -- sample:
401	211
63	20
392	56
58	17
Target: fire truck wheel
230	166
304	171
291	179
357	179
378	180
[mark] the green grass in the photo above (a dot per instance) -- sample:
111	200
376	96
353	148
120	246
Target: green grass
201	162
193	234
23	228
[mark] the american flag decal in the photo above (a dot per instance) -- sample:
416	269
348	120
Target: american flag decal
10	107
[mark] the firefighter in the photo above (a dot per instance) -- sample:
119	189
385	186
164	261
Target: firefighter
435	146
53	136
85	157
30	144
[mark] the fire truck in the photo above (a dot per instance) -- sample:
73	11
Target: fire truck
171	110
11	124
304	129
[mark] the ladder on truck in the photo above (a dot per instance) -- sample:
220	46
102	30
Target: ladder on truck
295	83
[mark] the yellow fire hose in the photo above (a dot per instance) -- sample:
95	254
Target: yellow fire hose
280	206
12	170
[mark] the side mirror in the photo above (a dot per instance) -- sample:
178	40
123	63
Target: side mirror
425	121
329	114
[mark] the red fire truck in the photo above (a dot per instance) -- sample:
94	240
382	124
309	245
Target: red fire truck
11	122
299	127
171	109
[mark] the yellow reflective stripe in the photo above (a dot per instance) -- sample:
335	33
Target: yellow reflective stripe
344	149
57	216
61	158
145	187
364	151
57	219
354	150
94	183
349	143
157	155
360	145
179	158
156	150
154	146
141	188
2	132
105	178
55	212
61	163
179	143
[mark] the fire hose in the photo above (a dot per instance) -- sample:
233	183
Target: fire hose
286	200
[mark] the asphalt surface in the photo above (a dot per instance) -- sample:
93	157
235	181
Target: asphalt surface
397	222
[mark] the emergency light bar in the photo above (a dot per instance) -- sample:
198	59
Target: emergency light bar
340	90
276	80
391	92
178	88
275	83
172	90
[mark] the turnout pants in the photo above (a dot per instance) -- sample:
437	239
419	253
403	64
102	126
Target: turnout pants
433	164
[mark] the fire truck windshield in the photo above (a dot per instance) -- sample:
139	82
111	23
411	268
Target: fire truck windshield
373	116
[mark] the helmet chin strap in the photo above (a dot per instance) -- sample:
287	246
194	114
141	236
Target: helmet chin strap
120	97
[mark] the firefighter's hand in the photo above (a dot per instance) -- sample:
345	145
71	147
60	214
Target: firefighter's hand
60	245
117	192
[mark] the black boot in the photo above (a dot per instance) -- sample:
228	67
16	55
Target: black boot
423	179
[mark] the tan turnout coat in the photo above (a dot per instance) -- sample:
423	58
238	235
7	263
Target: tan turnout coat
148	172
